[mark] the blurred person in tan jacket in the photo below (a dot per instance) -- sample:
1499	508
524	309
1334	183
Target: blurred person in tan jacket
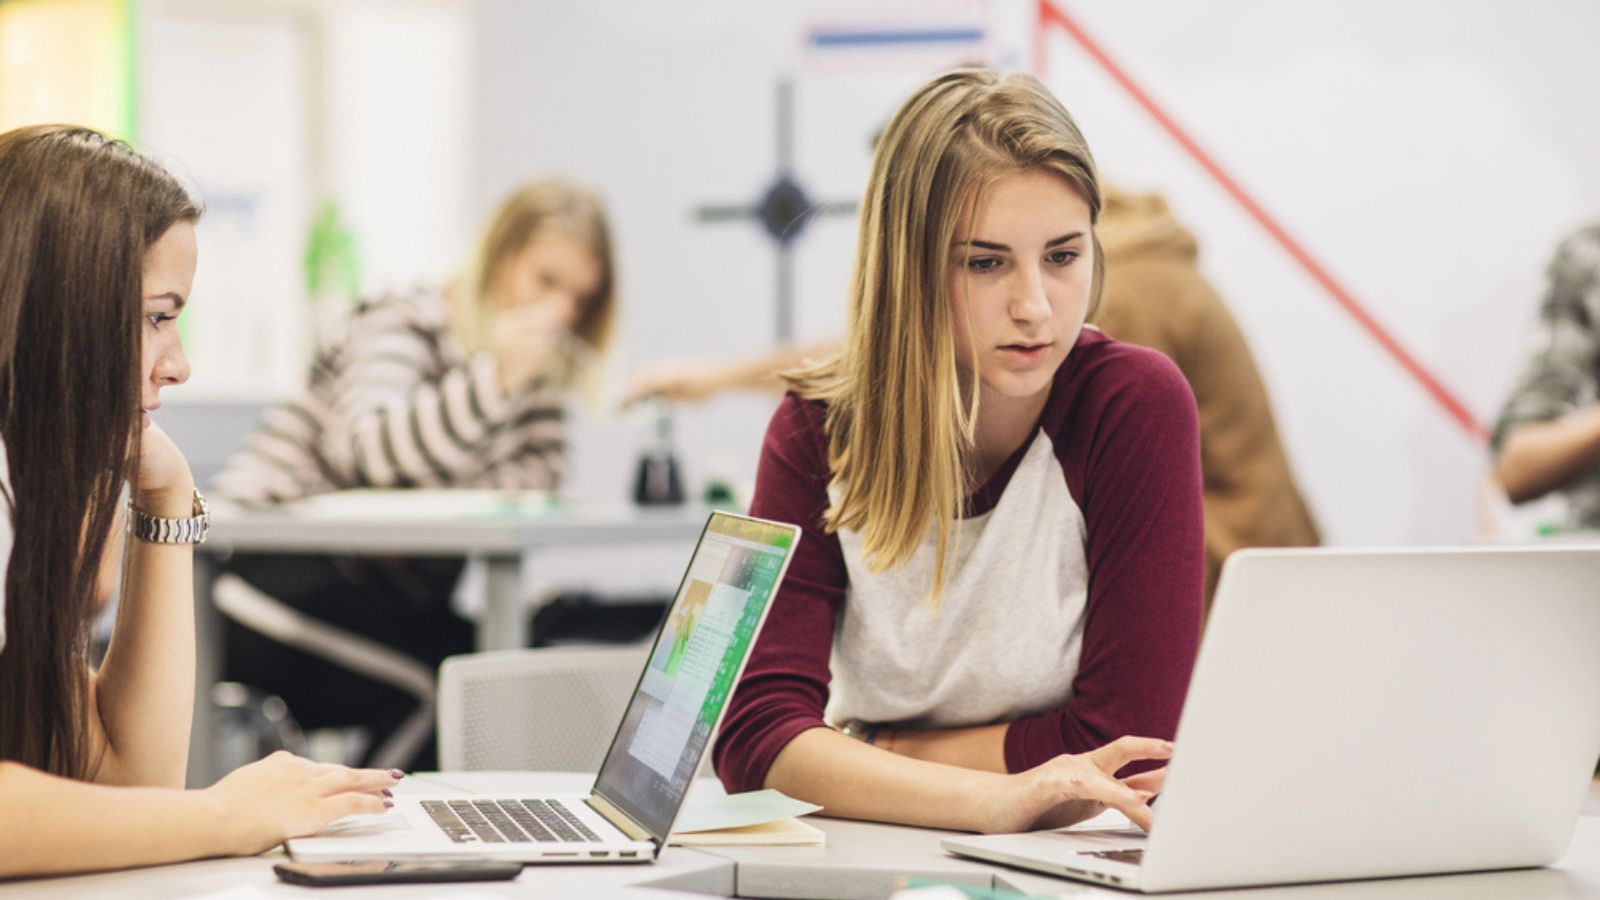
1156	297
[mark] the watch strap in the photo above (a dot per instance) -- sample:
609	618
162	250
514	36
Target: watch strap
158	530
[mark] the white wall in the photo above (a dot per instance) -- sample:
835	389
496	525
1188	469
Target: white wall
225	98
1429	155
668	107
273	107
397	81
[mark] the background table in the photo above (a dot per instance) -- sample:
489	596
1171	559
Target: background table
507	535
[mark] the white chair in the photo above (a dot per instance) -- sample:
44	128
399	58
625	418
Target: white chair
552	710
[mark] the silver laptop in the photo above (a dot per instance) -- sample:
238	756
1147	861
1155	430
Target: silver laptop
699	653
1363	714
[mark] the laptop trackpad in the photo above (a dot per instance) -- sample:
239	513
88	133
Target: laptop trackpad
1100	843
366	825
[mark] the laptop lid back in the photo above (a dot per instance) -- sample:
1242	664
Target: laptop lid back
699	654
1373	713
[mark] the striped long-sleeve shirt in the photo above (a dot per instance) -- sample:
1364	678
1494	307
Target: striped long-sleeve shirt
396	401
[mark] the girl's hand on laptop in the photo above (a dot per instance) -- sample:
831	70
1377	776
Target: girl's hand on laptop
285	796
1071	788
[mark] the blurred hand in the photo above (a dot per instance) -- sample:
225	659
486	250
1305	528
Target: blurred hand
693	381
525	340
285	796
677	381
1071	788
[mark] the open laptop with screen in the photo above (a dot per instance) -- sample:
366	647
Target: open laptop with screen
699	653
1365	714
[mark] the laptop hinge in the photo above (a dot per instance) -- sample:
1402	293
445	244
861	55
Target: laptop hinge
617	817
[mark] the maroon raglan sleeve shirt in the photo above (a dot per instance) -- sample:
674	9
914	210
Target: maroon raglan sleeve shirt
1078	623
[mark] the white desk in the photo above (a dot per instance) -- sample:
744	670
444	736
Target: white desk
861	860
865	860
676	871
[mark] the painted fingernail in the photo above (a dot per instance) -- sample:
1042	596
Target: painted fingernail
396	774
388	803
388	793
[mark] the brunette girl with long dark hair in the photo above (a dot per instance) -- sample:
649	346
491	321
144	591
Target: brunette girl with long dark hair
97	257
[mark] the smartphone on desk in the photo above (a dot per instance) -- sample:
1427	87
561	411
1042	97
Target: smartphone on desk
333	874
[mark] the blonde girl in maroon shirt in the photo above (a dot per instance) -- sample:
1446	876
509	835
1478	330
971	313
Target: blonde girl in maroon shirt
991	621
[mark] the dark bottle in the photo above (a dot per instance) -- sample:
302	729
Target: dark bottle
659	481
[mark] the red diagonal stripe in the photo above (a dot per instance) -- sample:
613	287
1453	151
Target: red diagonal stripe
1050	14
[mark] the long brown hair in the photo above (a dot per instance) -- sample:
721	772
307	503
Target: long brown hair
900	430
78	211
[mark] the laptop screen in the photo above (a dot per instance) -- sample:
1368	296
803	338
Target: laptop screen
698	656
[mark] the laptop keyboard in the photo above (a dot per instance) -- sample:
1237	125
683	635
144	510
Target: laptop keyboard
507	821
1134	856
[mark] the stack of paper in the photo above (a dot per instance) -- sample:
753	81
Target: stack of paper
753	818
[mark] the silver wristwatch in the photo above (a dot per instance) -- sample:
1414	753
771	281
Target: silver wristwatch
157	530
861	731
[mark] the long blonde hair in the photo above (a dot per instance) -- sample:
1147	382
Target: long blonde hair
535	209
900	427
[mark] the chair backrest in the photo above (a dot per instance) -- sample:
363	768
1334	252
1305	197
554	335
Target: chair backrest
554	709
